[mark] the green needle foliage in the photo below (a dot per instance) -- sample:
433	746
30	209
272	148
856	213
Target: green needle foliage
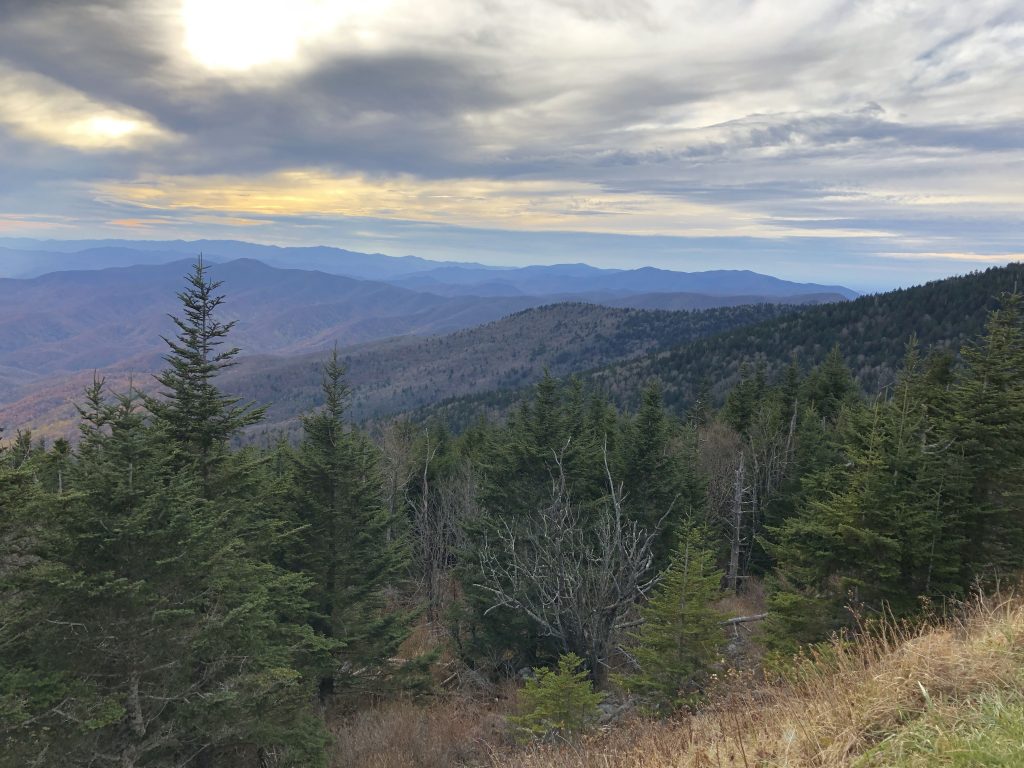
350	545
681	634
560	701
197	415
139	631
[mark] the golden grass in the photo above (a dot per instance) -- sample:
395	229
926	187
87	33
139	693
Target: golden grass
834	708
450	732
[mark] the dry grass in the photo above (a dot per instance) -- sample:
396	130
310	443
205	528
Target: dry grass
951	694
835	707
408	735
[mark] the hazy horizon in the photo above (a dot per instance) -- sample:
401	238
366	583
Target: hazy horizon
869	144
57	245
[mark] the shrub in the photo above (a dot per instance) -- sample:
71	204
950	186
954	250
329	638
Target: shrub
558	701
681	632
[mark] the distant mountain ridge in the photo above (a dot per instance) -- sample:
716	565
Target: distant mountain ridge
22	257
582	278
74	320
62	325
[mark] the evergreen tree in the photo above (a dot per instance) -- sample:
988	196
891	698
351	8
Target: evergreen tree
987	425
559	702
197	415
885	527
350	545
742	401
681	632
658	473
830	386
140	632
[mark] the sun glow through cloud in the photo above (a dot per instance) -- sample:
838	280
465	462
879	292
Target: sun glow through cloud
829	134
35	106
237	35
539	206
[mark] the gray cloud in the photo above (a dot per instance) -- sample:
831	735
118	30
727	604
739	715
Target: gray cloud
856	116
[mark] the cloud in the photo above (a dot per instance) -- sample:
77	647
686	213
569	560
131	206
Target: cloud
36	107
532	205
891	123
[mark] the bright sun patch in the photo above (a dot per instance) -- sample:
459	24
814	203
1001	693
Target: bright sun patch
236	35
38	107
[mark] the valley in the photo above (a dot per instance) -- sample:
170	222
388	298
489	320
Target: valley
60	328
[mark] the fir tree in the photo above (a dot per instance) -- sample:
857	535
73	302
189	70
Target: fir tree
658	471
143	633
198	415
884	528
350	545
681	632
558	702
987	425
830	386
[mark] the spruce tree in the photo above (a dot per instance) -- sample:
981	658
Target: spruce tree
558	702
987	424
350	544
141	630
884	528
658	473
197	415
830	386
681	633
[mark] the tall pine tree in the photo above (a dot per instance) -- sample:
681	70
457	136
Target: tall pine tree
197	415
140	631
350	544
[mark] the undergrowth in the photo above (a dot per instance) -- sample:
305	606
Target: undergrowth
950	693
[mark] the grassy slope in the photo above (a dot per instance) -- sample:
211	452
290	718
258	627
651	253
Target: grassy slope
947	695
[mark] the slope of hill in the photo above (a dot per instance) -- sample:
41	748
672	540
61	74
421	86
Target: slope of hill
691	301
404	373
69	321
946	695
872	333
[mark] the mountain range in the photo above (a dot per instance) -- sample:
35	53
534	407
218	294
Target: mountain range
23	257
69	308
872	333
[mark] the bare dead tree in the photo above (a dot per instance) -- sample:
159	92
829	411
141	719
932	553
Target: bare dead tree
398	465
574	578
740	508
744	473
438	516
770	445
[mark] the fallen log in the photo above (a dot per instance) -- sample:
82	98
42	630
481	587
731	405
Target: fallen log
744	619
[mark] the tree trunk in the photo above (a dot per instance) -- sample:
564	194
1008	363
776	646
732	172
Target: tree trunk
737	528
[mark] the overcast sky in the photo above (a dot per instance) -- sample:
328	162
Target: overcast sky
870	143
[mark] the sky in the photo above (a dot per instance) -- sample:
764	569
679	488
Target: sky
874	143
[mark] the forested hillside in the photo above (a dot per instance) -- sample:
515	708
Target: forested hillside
871	333
167	599
401	374
57	328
